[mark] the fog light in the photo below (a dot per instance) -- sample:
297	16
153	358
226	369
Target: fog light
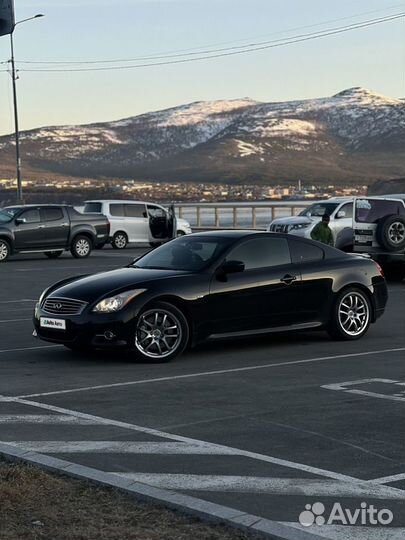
109	336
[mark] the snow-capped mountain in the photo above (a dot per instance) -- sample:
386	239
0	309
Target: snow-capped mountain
351	136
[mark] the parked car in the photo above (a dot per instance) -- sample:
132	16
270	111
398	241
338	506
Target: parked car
340	210
135	221
50	229
213	285
379	230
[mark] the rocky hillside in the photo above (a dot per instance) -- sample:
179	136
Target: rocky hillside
354	136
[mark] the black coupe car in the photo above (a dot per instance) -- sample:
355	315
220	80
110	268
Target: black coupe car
214	285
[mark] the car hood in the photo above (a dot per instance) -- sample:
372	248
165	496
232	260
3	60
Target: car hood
91	288
295	220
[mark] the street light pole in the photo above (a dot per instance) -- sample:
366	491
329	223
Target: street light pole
14	76
17	129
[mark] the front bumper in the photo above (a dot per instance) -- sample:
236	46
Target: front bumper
94	329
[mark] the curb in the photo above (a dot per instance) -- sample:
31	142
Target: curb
206	511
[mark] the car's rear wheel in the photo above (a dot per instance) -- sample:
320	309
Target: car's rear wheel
180	233
4	250
161	333
53	254
351	315
120	240
390	232
81	247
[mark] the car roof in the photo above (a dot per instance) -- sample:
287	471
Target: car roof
119	201
48	205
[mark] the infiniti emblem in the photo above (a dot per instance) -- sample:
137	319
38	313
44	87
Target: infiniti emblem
57	306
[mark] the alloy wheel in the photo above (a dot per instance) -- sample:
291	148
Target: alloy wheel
354	313
120	241
3	251
82	247
158	333
396	232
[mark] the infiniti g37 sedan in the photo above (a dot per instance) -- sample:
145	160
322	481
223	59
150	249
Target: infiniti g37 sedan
214	285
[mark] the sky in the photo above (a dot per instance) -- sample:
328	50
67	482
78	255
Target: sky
80	30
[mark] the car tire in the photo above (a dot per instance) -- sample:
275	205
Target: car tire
53	254
351	315
390	233
180	233
161	333
81	247
4	250
120	240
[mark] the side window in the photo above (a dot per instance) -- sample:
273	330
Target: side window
117	210
92	208
135	210
261	253
155	211
348	210
302	252
51	214
30	216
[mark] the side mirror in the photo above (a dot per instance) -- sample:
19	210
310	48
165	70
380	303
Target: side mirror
20	221
232	267
341	214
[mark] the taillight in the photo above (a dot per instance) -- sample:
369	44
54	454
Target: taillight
380	269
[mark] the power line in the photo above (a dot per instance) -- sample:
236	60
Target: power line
197	51
254	47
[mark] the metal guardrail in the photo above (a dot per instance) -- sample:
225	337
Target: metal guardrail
237	215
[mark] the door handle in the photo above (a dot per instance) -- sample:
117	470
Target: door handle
288	279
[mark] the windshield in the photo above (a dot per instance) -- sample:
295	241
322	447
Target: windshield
190	254
319	209
7	214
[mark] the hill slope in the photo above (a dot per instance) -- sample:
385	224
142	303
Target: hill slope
354	136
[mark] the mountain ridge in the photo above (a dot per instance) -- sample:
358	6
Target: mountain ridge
353	136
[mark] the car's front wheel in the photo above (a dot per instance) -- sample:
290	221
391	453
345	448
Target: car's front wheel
351	315
161	333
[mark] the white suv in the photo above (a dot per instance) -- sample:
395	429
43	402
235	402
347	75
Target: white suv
136	221
340	210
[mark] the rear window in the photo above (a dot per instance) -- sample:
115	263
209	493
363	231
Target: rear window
302	252
372	210
51	214
93	208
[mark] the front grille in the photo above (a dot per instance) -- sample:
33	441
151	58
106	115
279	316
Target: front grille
280	228
63	306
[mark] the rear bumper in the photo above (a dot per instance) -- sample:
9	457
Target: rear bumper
380	297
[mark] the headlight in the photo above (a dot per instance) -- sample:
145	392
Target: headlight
298	226
117	302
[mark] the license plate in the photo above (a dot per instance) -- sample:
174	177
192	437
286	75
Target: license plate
363	239
56	324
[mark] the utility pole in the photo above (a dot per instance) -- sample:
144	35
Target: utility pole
14	77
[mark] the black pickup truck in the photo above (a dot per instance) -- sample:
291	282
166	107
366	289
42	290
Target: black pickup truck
50	229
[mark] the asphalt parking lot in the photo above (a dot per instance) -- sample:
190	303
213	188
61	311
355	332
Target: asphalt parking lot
264	426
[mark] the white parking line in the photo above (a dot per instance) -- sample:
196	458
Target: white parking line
178	438
258	484
389	479
345	387
22	349
14	320
211	373
123	447
51	419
